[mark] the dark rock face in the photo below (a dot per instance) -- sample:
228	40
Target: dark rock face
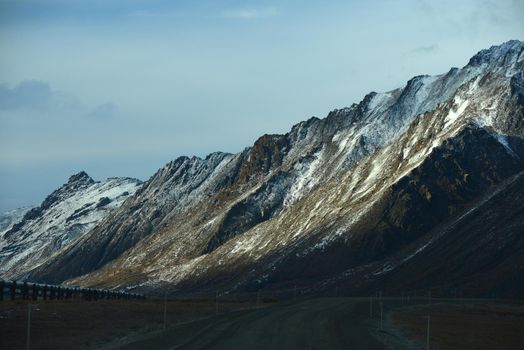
452	176
105	201
256	208
267	153
481	254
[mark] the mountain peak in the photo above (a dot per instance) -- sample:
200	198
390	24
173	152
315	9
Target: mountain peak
497	54
80	177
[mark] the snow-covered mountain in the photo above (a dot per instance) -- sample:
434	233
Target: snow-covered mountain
35	234
332	195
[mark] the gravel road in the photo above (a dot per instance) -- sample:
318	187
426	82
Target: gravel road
326	323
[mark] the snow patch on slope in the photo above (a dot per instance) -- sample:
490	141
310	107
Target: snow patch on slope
456	112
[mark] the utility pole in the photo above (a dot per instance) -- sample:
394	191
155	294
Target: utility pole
28	344
381	312
381	308
371	307
216	302
427	335
165	310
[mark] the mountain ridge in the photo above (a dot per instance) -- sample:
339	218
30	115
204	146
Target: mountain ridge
195	215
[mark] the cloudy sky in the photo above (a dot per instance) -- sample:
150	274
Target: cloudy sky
120	87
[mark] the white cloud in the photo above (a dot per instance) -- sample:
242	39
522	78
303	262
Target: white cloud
27	94
425	49
35	98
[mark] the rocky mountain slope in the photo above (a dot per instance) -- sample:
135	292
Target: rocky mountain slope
331	196
35	234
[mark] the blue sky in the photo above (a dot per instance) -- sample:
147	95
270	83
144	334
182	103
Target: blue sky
118	88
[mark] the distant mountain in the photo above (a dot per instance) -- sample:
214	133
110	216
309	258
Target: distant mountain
349	200
11	217
33	235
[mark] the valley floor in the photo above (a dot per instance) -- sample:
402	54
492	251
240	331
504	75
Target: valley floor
77	324
457	325
321	323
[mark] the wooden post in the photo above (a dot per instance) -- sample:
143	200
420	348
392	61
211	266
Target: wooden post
28	343
13	290
216	302
371	307
381	312
23	291
427	335
165	310
2	285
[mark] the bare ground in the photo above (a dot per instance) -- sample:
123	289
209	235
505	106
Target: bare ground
479	325
322	323
79	324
